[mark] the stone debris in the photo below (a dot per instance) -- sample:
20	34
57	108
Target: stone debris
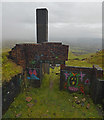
82	104
88	106
77	102
83	100
28	99
30	104
73	106
54	114
18	115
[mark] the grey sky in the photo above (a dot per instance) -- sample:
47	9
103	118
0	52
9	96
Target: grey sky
66	20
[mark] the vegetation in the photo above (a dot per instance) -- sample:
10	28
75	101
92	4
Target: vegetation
9	68
50	102
86	60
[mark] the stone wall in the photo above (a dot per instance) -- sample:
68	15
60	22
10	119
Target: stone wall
76	79
83	80
10	90
98	86
24	54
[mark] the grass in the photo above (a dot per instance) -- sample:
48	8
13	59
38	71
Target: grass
51	102
97	59
9	68
90	59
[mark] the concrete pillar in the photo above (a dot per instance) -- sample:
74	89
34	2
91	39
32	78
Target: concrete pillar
42	25
42	32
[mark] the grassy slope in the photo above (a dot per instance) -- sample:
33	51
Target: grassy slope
9	68
97	59
90	59
51	103
79	62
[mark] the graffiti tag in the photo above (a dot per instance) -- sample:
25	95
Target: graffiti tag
33	75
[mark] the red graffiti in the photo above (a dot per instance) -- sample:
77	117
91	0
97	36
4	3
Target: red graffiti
87	81
73	89
30	72
34	72
74	74
81	88
65	85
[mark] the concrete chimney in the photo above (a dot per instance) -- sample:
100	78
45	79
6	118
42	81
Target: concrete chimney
42	25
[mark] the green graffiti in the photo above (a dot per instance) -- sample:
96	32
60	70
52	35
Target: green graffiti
73	80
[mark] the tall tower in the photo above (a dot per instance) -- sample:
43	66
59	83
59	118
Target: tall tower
42	25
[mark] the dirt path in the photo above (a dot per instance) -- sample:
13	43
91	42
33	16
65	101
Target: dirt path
51	83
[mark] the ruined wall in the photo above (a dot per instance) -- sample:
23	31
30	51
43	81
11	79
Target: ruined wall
25	54
10	90
83	80
97	86
76	79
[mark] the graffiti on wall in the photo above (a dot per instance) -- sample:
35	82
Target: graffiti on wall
74	81
33	74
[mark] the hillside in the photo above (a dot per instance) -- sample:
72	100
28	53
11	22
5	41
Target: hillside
86	60
97	58
9	68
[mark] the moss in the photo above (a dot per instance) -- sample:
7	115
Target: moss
9	68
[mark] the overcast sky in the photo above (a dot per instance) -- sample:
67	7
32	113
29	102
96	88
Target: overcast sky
67	21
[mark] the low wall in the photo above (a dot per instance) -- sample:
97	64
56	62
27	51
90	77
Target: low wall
98	86
83	80
30	76
76	79
10	90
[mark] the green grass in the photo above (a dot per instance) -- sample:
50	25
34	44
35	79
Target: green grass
51	102
97	59
73	62
9	68
90	59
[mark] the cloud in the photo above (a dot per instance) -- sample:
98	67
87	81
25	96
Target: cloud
66	20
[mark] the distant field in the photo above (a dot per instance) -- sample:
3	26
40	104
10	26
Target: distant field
85	60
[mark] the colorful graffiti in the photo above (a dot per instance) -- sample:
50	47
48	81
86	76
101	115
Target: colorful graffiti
73	89
81	88
32	74
66	75
87	81
81	76
73	80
